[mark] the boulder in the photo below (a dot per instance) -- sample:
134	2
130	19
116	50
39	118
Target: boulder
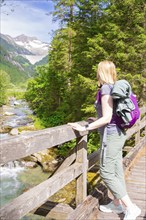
30	164
14	131
9	113
5	128
46	160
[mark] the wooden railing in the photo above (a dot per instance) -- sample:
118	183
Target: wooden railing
75	166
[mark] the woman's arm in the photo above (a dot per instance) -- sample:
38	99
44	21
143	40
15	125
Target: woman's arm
107	111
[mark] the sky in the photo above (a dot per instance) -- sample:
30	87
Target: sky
29	17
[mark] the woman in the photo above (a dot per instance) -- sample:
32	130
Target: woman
112	142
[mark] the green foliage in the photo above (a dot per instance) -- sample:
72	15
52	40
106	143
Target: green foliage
4	85
18	68
16	92
137	83
64	149
45	94
93	142
91	31
93	145
37	122
16	76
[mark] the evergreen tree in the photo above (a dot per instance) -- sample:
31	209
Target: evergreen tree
4	85
121	37
91	31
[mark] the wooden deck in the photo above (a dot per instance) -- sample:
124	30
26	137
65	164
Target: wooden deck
136	187
89	209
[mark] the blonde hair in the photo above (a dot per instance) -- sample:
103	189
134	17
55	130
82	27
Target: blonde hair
106	72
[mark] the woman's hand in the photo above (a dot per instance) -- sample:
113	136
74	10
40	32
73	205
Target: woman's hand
77	127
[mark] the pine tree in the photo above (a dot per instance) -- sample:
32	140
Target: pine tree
4	85
91	31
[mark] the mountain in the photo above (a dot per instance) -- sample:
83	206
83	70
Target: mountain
19	54
13	68
29	47
37	48
9	44
42	62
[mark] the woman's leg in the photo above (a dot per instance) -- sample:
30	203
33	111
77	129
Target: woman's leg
112	169
113	175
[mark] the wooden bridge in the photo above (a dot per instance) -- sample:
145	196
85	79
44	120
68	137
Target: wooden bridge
74	167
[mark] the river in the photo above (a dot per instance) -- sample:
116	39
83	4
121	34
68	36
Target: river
15	178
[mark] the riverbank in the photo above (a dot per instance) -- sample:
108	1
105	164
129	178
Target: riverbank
18	176
14	115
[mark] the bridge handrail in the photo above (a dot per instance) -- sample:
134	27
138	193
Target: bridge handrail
23	145
26	144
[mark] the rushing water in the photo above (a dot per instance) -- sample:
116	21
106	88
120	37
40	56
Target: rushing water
19	111
10	186
3	136
15	179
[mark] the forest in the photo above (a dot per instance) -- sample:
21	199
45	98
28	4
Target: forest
90	31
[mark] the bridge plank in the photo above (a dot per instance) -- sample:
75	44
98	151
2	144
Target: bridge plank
35	141
27	144
51	209
136	189
84	210
93	158
131	157
94	214
136	128
67	162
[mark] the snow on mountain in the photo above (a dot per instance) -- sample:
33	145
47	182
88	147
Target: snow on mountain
8	38
38	48
9	44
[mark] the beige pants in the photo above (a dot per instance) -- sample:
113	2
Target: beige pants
111	170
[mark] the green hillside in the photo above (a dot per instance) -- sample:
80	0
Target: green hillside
9	46
18	68
41	62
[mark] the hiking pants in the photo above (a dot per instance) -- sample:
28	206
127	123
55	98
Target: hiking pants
111	169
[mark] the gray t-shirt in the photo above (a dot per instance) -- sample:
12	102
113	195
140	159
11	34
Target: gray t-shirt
111	127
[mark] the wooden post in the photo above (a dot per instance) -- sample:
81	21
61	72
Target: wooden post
81	181
137	135
85	211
